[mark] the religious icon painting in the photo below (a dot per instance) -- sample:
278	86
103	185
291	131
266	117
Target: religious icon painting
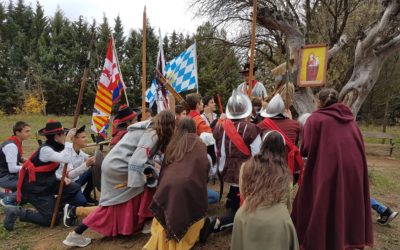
313	65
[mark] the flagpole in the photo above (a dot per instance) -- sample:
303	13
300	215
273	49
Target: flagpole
197	77
119	68
75	121
144	65
252	45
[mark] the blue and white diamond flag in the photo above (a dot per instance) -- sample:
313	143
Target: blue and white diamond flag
151	93
181	72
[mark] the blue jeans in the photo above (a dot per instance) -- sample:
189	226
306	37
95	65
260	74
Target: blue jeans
378	207
213	197
86	178
81	198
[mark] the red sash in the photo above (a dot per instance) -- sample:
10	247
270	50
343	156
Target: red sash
18	143
294	152
234	136
246	86
32	170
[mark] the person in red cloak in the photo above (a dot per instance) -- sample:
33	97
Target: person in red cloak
332	207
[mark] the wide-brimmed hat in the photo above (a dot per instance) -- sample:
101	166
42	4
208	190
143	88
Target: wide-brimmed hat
238	106
52	127
124	114
275	107
246	68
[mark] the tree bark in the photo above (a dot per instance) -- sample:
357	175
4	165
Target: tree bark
370	55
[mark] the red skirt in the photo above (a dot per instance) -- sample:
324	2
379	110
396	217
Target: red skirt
122	219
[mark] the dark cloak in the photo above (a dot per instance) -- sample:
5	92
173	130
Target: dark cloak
332	207
181	196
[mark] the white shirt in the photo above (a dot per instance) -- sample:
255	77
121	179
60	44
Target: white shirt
214	116
11	152
76	167
258	90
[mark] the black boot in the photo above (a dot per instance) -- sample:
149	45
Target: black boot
11	216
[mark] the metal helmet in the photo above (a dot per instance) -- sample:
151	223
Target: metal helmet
275	107
239	106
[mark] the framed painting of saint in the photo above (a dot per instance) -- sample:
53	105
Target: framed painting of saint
313	65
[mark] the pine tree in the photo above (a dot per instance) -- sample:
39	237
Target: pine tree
119	38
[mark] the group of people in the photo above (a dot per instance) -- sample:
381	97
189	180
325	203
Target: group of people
155	177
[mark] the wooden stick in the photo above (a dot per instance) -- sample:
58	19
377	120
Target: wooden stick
220	104
252	45
160	77
76	115
144	66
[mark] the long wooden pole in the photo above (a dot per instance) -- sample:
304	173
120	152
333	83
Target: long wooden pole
144	66
252	45
76	115
160	77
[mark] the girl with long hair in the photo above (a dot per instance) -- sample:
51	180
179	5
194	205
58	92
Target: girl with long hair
180	202
127	182
263	221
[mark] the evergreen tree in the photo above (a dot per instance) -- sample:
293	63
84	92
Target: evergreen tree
119	38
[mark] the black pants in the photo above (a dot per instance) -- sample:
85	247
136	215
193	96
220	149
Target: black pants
233	204
45	205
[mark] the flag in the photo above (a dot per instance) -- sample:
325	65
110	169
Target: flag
162	92
151	93
181	72
108	92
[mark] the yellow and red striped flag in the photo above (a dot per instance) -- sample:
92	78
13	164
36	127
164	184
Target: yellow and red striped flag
110	81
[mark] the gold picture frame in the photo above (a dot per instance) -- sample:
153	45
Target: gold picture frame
313	65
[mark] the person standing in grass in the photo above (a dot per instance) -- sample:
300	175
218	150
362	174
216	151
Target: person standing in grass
11	159
332	207
263	221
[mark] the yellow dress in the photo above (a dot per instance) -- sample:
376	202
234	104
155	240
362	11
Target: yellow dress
158	240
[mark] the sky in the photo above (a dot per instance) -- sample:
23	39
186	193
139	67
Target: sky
168	15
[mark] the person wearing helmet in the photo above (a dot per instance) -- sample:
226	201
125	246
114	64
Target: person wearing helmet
237	140
275	118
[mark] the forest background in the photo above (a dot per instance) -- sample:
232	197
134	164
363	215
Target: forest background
42	59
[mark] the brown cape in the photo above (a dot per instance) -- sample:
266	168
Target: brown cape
332	207
181	196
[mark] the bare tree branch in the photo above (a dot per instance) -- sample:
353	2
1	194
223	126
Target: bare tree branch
389	47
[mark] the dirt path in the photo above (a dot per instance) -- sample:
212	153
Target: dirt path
383	170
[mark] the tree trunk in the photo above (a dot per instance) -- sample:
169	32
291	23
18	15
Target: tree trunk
365	74
371	52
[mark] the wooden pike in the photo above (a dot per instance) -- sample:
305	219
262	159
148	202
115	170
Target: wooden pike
252	45
176	95
144	65
76	115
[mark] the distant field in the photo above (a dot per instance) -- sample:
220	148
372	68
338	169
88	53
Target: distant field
37	122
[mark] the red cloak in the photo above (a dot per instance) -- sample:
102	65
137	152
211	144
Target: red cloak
332	207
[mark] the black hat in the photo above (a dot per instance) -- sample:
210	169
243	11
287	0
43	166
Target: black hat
246	68
52	127
124	114
81	129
